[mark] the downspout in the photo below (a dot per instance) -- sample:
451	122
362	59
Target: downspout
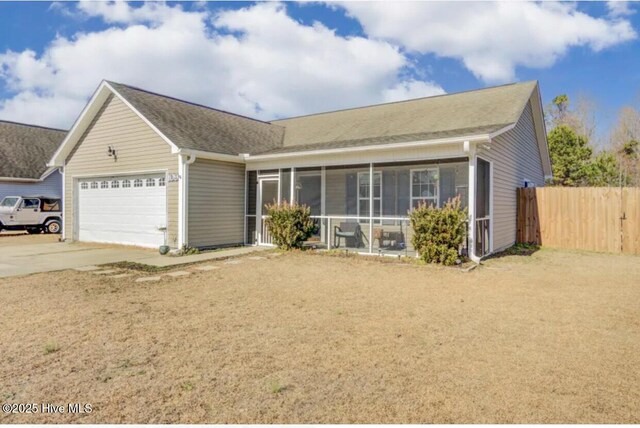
470	150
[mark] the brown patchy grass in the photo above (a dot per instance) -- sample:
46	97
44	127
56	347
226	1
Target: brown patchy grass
552	337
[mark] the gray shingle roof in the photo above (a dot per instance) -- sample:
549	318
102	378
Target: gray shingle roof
196	127
26	149
464	113
391	139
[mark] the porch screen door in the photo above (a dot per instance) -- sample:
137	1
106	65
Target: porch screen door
483	207
268	194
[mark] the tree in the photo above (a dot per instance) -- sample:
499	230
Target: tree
581	118
625	141
570	156
604	170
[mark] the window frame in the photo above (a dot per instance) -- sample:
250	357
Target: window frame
371	195
435	198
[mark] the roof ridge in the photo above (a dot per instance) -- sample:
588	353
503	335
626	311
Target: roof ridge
12	122
135	88
404	101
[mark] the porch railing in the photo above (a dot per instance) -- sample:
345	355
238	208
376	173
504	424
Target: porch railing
385	236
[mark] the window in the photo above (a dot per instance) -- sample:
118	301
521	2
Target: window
84	185
115	184
137	182
104	185
161	182
364	194
126	183
30	204
8	202
424	187
151	182
50	205
94	184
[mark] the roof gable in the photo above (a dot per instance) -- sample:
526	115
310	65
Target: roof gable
25	149
196	127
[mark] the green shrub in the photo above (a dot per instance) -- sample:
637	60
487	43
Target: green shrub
439	232
289	224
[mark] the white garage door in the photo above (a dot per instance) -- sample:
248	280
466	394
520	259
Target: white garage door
127	210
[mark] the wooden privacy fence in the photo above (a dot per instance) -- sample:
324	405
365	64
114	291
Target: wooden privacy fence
586	218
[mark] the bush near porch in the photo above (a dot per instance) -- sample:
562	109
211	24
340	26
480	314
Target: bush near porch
439	232
289	224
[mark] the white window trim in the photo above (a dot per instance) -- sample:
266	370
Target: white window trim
371	193
436	197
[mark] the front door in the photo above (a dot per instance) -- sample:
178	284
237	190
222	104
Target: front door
267	194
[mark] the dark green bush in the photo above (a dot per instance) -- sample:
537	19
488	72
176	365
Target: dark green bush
439	232
289	224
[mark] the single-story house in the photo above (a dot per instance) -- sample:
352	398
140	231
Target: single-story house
147	169
24	153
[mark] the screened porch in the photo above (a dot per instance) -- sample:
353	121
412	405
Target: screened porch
362	208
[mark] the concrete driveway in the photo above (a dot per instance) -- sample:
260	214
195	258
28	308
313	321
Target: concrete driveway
26	254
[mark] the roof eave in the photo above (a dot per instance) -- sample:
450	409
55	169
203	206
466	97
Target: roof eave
477	138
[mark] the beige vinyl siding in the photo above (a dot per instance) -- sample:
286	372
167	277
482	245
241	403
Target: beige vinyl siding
139	149
215	203
516	157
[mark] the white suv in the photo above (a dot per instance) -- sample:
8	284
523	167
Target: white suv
34	214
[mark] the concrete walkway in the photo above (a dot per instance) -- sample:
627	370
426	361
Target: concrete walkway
46	257
163	261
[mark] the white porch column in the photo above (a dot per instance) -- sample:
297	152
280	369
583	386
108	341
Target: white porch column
371	199
471	151
293	185
323	200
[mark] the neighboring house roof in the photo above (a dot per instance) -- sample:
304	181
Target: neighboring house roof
465	113
196	127
25	149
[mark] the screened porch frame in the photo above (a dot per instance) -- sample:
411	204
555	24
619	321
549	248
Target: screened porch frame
326	221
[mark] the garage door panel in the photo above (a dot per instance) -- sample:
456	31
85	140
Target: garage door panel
122	210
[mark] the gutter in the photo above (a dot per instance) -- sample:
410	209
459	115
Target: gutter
21	180
381	147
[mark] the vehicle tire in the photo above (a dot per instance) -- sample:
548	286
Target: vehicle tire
52	227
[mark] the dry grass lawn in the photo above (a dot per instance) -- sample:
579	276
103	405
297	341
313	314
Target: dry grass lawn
554	337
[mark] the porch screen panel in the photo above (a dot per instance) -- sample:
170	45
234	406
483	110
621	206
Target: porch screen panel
454	182
389	193
309	189
250	218
252	183
351	182
336	191
404	192
285	185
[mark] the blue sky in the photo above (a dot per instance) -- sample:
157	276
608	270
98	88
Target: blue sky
276	60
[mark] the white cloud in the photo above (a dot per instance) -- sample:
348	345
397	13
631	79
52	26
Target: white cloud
256	61
619	8
490	38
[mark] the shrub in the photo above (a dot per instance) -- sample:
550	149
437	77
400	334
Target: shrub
439	232
289	224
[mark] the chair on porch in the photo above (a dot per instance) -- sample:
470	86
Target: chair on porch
349	231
